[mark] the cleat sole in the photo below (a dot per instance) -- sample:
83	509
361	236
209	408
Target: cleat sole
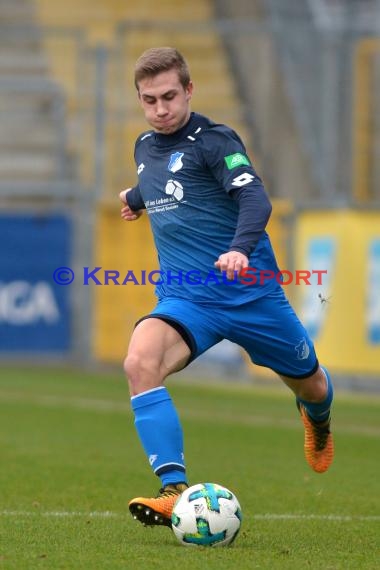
148	517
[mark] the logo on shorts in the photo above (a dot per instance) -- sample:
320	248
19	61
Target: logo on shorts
302	349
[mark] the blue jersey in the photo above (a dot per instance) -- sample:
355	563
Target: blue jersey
185	181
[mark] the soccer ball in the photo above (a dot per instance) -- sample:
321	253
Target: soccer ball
174	188
206	514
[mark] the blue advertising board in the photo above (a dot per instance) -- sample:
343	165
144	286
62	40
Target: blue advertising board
34	310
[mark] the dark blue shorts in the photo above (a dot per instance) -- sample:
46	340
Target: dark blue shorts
267	328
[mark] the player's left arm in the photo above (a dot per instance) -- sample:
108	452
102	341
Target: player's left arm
254	212
226	157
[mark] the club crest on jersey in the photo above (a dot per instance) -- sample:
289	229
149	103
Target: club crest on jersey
175	162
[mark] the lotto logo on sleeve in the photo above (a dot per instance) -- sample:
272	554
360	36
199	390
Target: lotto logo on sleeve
242	180
237	159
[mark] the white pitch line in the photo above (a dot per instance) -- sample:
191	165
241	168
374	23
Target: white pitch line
288	516
62	514
267	516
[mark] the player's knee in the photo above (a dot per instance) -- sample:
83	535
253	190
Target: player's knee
142	372
129	365
314	388
133	365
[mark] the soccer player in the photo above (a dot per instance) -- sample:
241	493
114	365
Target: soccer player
208	211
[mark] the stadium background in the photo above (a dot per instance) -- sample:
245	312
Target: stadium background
300	81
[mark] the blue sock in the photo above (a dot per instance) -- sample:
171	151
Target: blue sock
160	433
320	411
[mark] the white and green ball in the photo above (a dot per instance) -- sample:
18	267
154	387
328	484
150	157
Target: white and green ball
206	514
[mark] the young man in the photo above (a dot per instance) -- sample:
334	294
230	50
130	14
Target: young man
208	211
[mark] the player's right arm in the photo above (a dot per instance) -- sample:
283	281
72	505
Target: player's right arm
132	204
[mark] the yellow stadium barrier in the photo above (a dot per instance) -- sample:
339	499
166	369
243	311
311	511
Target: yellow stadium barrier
342	313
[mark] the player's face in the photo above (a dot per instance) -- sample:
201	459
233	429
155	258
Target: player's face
166	103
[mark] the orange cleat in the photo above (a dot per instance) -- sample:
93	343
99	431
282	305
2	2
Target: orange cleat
318	446
157	511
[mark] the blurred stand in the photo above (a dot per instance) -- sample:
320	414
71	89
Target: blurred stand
300	81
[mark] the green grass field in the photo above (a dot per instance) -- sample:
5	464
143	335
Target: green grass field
70	461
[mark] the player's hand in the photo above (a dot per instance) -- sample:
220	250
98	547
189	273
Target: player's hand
126	213
232	263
